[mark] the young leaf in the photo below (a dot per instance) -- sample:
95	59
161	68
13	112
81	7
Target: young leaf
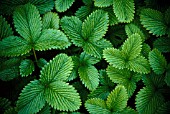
153	21
62	96
51	39
63	5
157	61
5	29
89	76
57	69
117	99
50	20
96	106
103	3
14	46
28	23
26	67
124	10
31	99
95	26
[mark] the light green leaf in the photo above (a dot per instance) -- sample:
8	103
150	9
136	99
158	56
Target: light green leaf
62	96
124	10
95	26
63	5
89	76
28	23
83	12
157	61
72	27
14	46
50	20
31	99
5	29
26	67
57	69
51	39
117	99
153	21
103	3
96	106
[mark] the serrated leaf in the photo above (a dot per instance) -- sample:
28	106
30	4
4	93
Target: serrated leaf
167	76
103	3
50	20
145	50
104	79
96	106
26	67
157	61
127	110
31	99
5	29
72	27
132	46
117	99
153	21
63	5
14	46
57	69
83	12
62	96
52	39
148	100
89	76
28	23
11	111
45	110
95	26
9	73
124	10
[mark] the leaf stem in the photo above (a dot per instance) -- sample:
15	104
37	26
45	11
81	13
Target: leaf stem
35	55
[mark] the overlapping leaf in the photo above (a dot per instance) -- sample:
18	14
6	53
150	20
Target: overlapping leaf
83	12
63	5
103	3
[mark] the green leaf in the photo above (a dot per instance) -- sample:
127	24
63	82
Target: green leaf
117	99
127	110
83	12
62	96
96	106
72	27
145	50
63	5
153	21
26	67
148	100
14	46
87	2
45	110
104	79
50	20
164	108
103	3
41	62
157	61
31	99
124	10
89	76
11	111
5	29
28	23
57	69
5	103
52	39
95	26
167	76
162	44
9	74
166	16
132	46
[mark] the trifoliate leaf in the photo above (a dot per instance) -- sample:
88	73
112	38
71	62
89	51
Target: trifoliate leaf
103	3
72	27
26	67
62	96
63	5
83	12
5	29
148	100
153	21
95	26
50	20
96	106
52	39
57	69
28	23
89	76
124	10
14	46
117	99
157	61
31	99
132	46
